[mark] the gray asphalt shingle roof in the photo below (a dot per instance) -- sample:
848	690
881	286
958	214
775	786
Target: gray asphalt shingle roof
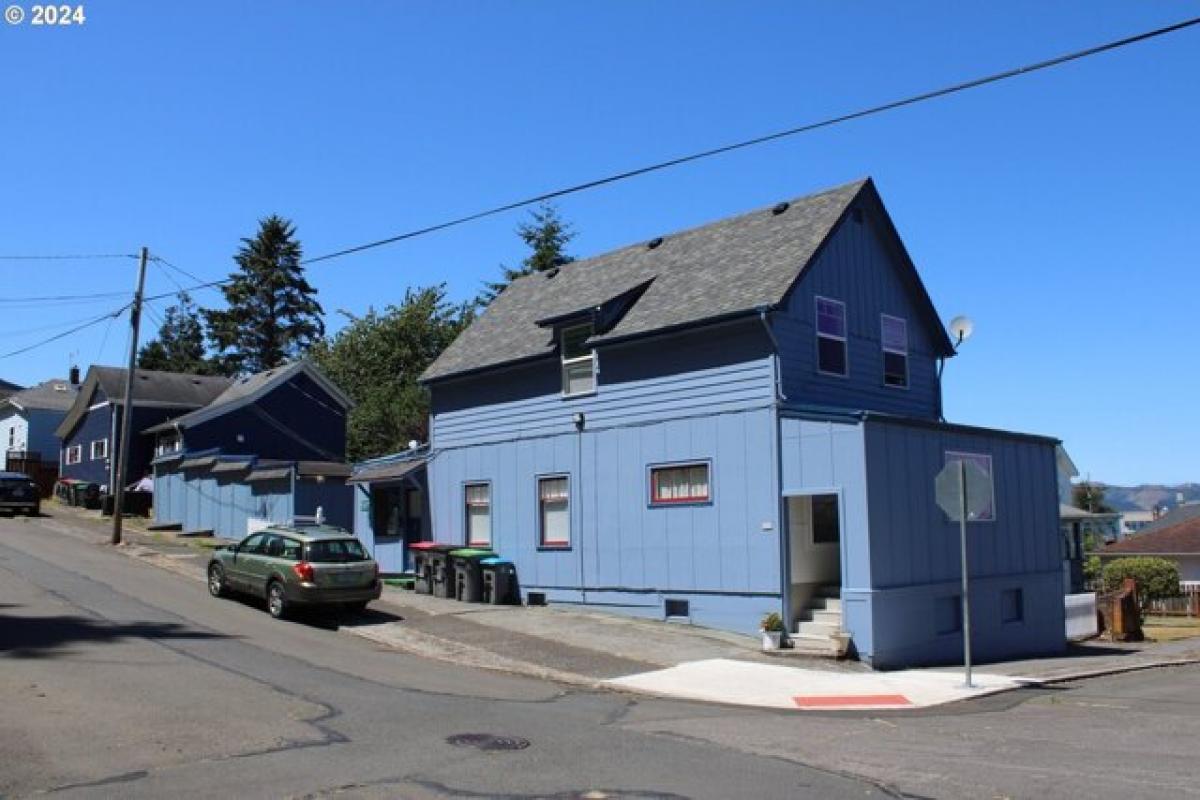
56	394
150	388
728	267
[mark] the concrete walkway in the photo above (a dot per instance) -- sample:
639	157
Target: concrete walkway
577	646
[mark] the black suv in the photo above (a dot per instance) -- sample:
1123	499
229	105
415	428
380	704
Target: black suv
19	493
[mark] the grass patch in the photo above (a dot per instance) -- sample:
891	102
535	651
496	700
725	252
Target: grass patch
1170	629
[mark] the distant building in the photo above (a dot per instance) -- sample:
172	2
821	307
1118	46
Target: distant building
1178	542
28	419
1134	521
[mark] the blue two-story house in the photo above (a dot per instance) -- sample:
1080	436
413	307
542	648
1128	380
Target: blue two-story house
91	429
742	418
29	418
270	448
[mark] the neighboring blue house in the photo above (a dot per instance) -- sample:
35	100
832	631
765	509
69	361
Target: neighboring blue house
29	418
737	419
392	506
270	448
92	427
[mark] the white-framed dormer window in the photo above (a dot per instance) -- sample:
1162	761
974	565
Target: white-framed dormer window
831	337
893	335
578	361
99	449
74	454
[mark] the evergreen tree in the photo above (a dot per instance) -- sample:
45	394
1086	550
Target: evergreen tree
273	315
179	346
547	236
377	358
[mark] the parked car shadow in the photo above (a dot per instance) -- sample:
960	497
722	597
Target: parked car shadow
51	637
327	618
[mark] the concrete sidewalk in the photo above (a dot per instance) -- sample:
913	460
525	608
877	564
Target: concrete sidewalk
581	647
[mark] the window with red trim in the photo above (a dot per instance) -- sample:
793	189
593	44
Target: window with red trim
679	483
479	513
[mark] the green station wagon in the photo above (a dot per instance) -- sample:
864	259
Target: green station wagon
297	566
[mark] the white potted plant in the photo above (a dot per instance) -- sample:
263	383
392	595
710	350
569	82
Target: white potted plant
772	631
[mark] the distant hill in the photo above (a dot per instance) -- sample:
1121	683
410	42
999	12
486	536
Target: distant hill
1149	496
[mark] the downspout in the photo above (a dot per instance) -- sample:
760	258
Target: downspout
112	438
785	563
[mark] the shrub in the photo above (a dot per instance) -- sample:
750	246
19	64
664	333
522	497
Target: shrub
772	622
1157	578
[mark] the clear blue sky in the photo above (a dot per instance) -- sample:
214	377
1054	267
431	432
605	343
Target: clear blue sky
1058	210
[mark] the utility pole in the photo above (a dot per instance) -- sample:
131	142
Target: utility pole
135	319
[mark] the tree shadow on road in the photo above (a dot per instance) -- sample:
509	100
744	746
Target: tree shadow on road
51	637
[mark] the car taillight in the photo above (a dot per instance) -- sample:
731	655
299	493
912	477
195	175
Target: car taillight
304	571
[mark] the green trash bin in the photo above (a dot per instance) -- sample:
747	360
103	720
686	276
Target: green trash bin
468	573
499	582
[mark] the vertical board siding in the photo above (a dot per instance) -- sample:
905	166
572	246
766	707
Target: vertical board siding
96	424
855	268
619	542
915	556
819	456
727	368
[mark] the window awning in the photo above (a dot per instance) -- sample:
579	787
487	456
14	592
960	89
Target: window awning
200	462
269	474
391	471
229	467
324	469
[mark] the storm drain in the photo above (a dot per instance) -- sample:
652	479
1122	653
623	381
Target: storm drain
487	741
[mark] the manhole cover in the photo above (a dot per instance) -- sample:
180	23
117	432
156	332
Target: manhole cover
487	741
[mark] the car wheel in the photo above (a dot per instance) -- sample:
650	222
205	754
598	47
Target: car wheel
276	602
216	581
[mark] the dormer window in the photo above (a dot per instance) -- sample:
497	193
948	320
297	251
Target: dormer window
831	337
578	361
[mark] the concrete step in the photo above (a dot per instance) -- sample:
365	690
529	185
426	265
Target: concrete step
807	645
828	617
817	629
826	603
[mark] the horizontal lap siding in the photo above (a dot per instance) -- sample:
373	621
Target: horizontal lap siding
719	370
855	268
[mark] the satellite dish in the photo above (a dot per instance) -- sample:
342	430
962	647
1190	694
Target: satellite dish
960	329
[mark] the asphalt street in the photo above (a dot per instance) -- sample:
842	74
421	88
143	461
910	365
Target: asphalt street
121	679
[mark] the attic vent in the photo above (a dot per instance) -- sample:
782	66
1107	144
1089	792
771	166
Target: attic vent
653	243
675	609
58	387
780	208
550	273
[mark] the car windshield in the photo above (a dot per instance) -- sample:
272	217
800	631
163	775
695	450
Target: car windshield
336	550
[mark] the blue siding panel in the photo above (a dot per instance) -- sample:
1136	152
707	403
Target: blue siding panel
855	268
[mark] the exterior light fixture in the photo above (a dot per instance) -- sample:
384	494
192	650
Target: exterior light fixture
579	419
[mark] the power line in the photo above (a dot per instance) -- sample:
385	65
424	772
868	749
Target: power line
168	275
180	270
61	299
825	123
72	257
76	329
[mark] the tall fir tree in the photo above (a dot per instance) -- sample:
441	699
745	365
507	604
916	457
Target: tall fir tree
179	346
547	236
273	315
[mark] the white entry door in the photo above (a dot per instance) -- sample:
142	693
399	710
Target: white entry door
814	536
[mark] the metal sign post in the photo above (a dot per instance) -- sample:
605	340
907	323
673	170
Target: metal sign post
966	594
964	492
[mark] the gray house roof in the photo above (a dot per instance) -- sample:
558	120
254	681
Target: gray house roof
247	390
150	388
728	268
56	394
7	388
